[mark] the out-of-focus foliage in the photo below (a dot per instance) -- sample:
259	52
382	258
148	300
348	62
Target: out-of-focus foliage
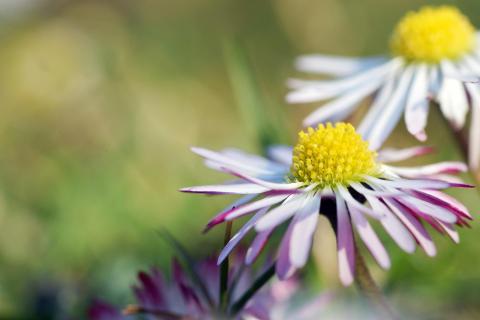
101	101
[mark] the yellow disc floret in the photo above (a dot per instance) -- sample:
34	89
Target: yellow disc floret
432	34
332	155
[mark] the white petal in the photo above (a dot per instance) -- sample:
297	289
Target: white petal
342	106
345	246
369	237
264	183
474	134
353	202
416	110
226	161
304	225
280	214
335	65
257	205
311	90
392	111
243	188
452	98
383	96
281	154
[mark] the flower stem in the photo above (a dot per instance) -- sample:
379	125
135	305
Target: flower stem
370	290
257	285
224	268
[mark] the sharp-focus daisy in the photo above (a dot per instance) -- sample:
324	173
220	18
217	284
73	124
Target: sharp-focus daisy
432	51
331	170
186	298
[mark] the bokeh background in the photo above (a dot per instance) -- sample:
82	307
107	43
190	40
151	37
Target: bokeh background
100	102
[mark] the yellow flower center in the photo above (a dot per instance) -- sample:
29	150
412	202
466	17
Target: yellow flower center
332	155
432	34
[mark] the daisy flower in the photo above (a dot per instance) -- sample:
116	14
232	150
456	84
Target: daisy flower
331	170
432	51
182	297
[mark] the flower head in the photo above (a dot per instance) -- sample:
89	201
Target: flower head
432	34
434	51
332	171
184	297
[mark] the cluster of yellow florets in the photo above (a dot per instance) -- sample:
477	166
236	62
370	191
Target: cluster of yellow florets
332	155
432	34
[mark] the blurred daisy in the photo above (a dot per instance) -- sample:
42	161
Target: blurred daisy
332	170
197	297
432	50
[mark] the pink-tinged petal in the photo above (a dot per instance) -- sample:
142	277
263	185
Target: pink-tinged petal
353	202
266	184
393	226
280	214
236	212
257	246
395	155
414	226
450	231
345	245
413	183
225	161
335	65
392	111
455	180
281	154
429	209
304	225
369	237
360	188
447	167
235	240
243	188
447	201
474	134
416	110
284	267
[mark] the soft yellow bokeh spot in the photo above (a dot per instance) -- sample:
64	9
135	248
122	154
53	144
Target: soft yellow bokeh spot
332	155
432	34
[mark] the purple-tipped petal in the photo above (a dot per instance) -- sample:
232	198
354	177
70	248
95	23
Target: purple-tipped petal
396	155
266	184
414	226
280	214
284	268
345	245
257	246
369	237
245	209
354	203
393	226
304	225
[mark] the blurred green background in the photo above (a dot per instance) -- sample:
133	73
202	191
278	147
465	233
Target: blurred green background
101	101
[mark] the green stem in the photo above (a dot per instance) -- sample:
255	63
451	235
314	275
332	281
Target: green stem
224	269
259	283
370	290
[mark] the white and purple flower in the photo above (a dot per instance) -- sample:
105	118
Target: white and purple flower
435	56
332	171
